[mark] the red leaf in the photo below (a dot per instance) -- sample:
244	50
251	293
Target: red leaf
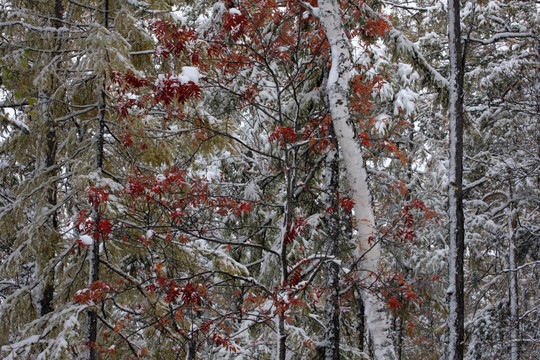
393	303
289	236
104	227
234	23
173	293
347	204
96	195
284	134
191	294
97	292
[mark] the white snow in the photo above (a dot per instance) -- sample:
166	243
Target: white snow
160	178
234	11
405	100
189	73
87	239
252	190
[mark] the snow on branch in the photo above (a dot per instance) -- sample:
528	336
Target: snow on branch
407	7
49	29
502	36
16	123
534	263
405	45
314	11
70	116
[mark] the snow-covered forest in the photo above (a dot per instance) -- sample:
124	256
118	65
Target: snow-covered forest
266	179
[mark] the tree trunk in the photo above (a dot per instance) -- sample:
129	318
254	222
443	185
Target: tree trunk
94	249
50	162
332	305
361	327
337	91
514	318
455	188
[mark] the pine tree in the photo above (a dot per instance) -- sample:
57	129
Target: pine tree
57	68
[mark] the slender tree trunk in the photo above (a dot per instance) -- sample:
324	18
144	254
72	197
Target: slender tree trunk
50	161
514	319
94	249
332	305
282	335
399	340
337	90
96	217
361	327
290	174
47	295
455	188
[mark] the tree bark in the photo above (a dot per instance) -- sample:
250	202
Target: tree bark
337	91
361	327
514	318
332	305
94	249
455	189
47	295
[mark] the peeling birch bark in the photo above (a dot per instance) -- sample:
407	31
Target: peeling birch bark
337	91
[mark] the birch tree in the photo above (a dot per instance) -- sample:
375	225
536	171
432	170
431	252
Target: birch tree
252	179
337	91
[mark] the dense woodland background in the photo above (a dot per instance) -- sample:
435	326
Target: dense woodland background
268	179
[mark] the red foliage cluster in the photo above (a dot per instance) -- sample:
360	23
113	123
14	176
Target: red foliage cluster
129	80
96	292
284	134
362	90
295	277
346	203
400	293
406	230
137	184
317	131
234	23
83	223
171	89
375	28
290	235
191	294
104	228
172	39
97	195
223	341
225	205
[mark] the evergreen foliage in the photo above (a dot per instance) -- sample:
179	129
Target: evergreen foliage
265	179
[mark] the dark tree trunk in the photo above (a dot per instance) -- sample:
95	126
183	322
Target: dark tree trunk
455	188
94	250
361	327
47	295
332	306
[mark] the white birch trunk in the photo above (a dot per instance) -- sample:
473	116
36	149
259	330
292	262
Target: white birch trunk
337	91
